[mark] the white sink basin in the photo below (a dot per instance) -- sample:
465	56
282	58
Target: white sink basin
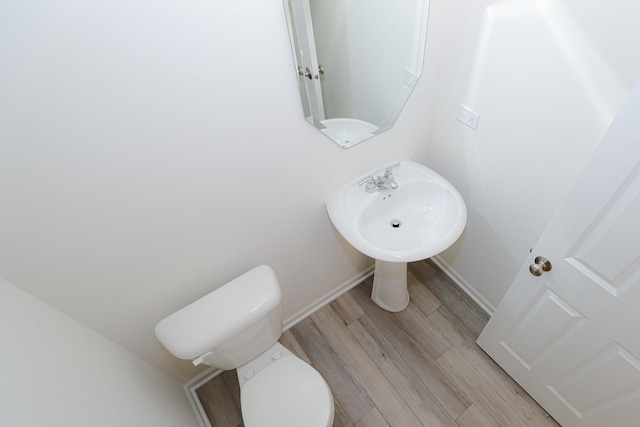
418	220
422	217
348	132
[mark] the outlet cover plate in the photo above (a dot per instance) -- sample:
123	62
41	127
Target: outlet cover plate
410	78
468	117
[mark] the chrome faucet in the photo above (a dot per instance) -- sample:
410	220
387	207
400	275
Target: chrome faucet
386	182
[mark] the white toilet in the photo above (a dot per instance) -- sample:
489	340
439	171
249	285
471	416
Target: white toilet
237	326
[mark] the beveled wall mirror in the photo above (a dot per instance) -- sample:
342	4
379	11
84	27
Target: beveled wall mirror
356	62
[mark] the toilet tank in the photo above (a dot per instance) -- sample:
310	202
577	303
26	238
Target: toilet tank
229	326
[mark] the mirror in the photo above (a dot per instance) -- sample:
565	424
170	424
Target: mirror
356	62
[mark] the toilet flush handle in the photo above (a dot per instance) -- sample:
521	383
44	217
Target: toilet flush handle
201	359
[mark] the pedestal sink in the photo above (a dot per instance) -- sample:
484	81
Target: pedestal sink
416	220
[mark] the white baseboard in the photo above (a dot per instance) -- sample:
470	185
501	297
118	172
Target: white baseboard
307	311
190	388
192	385
464	285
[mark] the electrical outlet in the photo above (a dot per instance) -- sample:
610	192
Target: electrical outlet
410	79
468	117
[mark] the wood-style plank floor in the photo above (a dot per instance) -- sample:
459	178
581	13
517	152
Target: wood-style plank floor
419	367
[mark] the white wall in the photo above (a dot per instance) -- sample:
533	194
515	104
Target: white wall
547	78
152	151
58	373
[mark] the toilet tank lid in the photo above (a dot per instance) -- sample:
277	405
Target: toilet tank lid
221	314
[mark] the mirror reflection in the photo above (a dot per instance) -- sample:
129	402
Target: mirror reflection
356	61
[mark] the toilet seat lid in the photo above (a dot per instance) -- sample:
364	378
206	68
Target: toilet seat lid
287	393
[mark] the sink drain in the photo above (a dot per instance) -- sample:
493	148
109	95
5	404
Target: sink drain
396	223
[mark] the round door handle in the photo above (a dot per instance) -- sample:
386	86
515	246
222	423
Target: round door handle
541	264
308	74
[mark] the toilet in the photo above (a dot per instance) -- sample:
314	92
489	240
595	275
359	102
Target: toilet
237	326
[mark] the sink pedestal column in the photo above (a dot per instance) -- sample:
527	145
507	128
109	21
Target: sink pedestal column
390	285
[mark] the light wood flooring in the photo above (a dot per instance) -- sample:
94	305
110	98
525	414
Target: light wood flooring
419	367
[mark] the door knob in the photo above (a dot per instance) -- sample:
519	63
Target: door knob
540	265
308	73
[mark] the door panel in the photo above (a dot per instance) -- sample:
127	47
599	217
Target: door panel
569	336
590	255
543	325
614	368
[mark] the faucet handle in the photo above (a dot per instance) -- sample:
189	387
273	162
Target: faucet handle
387	171
371	183
367	180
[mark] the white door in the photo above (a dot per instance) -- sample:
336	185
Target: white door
571	336
306	57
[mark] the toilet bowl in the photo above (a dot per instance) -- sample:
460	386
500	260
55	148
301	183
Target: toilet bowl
237	327
286	393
